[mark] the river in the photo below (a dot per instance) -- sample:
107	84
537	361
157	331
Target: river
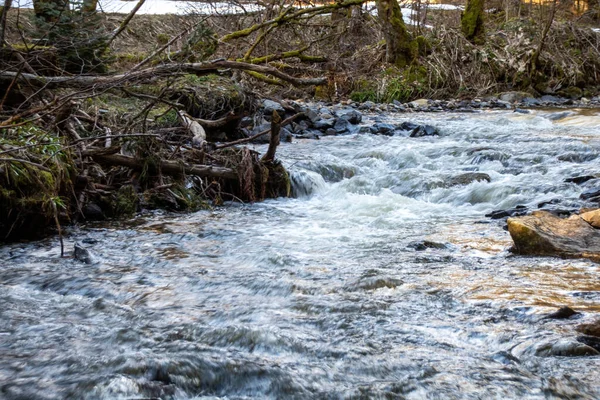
323	296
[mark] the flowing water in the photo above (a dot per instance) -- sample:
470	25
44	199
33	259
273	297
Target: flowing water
325	296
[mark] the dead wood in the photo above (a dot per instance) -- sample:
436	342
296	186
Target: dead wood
167	167
98	82
274	141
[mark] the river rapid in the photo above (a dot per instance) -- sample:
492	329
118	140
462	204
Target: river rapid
379	280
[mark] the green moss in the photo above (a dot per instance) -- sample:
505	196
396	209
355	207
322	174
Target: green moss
162	38
278	183
571	92
126	201
471	21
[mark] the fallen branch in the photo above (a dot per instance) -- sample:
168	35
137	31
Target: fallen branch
204	68
167	167
18	160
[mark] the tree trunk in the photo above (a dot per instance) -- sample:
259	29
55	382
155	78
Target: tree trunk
397	38
3	13
471	21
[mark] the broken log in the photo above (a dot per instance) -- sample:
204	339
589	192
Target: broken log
165	70
167	167
274	141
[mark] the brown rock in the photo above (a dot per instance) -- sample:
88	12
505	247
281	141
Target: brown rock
592	218
591	329
544	234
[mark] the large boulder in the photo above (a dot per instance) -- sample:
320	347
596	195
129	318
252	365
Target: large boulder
592	217
544	234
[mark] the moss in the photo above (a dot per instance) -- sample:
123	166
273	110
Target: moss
126	202
571	92
278	183
471	21
162	38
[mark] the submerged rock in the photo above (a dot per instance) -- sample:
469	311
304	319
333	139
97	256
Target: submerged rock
592	341
426	244
469	177
564	348
562	313
590	329
544	234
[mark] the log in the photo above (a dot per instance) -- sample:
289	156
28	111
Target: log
168	167
97	82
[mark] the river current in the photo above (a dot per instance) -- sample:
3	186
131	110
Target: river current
379	280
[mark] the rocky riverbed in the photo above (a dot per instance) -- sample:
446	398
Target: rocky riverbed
383	278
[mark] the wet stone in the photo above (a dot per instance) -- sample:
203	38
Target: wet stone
562	313
578	180
269	106
383	129
564	348
469	177
422	245
512	212
592	341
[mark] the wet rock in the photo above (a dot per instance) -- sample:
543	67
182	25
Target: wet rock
300	126
383	129
374	283
424	130
352	116
592	341
589	194
549	99
590	328
309	134
312	115
592	218
469	177
260	128
246	122
82	254
531	101
578	180
330	132
269	106
323	124
422	245
285	135
544	234
562	313
341	125
419	103
522	111
93	212
560	115
417	130
564	348
512	212
577	157
513	97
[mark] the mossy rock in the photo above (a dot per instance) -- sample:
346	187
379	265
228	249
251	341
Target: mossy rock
571	92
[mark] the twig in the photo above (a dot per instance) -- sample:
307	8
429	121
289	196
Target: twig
18	160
